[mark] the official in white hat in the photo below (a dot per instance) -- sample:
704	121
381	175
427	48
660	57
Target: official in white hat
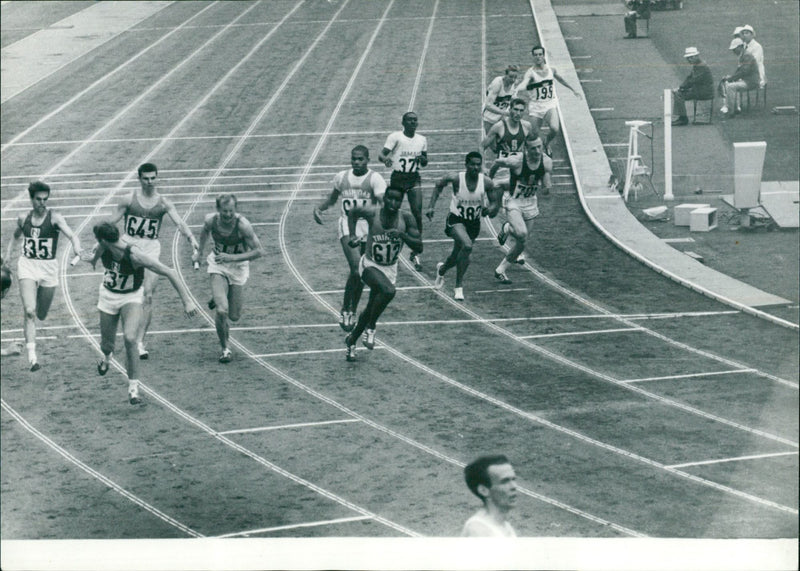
698	86
752	46
745	77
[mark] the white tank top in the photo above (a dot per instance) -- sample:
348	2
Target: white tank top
465	203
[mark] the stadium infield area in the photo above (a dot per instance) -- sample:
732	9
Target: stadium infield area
632	408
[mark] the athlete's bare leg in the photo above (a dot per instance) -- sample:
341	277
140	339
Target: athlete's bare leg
148	287
131	315
382	291
36	302
415	202
108	333
354	286
219	291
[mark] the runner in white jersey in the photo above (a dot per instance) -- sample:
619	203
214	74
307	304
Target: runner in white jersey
472	192
499	94
143	211
538	87
405	152
529	179
358	186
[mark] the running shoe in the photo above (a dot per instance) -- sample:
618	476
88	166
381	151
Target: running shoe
133	393
502	236
342	320
439	276
502	277
35	367
226	356
349	321
350	355
416	260
102	367
211	304
458	294
143	354
369	339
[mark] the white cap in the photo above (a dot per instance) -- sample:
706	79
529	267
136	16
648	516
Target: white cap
749	28
692	51
735	43
736	30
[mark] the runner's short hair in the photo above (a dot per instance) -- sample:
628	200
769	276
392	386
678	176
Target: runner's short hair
146	167
361	149
106	231
226	198
38	186
477	472
473	155
538	47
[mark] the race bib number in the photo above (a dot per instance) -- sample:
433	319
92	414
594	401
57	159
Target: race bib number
470	212
408	164
140	227
542	92
527	190
38	248
348	203
118	282
385	253
237	248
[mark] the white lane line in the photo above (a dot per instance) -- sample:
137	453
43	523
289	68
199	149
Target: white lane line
251	224
577	333
601	109
293	526
591	80
736	459
166	403
292	353
691	375
581	57
283	426
510	290
100	80
420	67
615	144
457	131
97	475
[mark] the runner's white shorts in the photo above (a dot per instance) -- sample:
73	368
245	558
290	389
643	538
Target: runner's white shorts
389	271
111	302
43	272
538	109
361	228
235	272
147	246
528	209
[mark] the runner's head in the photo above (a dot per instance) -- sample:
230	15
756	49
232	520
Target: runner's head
410	121
517	108
359	157
106	232
534	146
473	162
392	199
226	206
39	193
537	52
148	173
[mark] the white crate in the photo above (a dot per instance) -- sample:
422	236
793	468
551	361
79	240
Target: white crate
682	212
703	219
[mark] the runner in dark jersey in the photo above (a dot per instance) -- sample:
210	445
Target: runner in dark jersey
388	230
120	297
37	266
235	244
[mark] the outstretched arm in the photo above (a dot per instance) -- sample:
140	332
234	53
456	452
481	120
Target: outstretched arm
325	204
183	228
411	236
204	234
156	266
495	195
449	178
561	80
59	221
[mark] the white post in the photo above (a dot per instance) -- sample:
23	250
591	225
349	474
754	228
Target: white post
668	145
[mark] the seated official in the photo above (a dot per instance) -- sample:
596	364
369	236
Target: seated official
744	78
698	86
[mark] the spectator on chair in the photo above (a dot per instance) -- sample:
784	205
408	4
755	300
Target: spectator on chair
747	34
745	77
637	10
699	85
